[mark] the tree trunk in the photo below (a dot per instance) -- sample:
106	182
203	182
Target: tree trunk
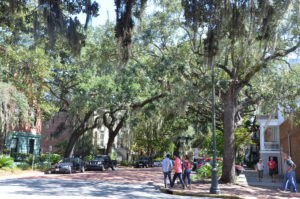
71	144
230	108
110	142
2	143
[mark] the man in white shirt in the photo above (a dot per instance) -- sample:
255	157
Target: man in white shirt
167	166
260	170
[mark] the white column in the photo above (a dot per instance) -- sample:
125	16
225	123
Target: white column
262	138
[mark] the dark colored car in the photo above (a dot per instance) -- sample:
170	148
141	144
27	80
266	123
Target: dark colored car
68	165
202	161
144	161
101	162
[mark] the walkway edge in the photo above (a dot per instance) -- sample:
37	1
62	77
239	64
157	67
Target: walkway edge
176	192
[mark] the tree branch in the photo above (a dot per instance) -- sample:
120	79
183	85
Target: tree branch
147	101
283	52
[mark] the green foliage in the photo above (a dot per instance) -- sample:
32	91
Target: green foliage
205	171
88	157
158	158
24	166
206	143
113	155
13	109
156	132
52	157
126	163
21	157
6	162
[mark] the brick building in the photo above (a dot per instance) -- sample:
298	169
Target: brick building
26	137
55	131
290	142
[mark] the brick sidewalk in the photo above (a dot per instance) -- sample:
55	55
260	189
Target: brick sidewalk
246	187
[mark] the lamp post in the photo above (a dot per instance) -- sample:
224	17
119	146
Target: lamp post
214	189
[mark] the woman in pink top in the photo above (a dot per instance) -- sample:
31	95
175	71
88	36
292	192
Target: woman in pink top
178	170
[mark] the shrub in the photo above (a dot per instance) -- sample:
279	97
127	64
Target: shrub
24	166
126	163
29	159
88	158
6	162
20	157
51	157
205	171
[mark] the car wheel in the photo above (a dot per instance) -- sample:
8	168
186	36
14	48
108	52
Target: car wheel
82	169
101	168
113	167
48	172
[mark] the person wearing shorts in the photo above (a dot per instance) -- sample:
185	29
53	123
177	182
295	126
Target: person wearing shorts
272	168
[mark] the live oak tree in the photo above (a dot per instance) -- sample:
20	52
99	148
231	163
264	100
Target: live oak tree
94	90
47	21
252	35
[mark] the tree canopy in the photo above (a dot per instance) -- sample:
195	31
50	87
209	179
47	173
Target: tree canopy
151	70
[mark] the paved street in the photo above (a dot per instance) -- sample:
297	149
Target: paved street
122	183
126	183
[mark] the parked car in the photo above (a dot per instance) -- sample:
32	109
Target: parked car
202	161
68	165
144	161
101	162
157	163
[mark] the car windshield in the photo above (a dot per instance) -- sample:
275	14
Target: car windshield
99	158
66	160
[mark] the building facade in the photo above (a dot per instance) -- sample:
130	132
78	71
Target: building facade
57	131
270	140
290	142
26	138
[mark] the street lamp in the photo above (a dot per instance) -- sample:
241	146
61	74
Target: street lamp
214	189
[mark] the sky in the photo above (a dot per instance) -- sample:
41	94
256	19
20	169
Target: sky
106	11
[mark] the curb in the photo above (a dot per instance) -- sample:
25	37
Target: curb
173	192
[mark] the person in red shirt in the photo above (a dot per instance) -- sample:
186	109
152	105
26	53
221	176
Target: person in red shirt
272	168
178	170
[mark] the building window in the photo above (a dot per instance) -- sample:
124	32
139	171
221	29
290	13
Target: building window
14	145
272	134
101	138
31	146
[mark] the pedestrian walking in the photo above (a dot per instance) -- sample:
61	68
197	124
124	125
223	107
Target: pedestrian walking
260	170
272	168
289	181
187	171
178	171
167	166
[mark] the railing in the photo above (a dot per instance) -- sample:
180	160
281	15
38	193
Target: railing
272	146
